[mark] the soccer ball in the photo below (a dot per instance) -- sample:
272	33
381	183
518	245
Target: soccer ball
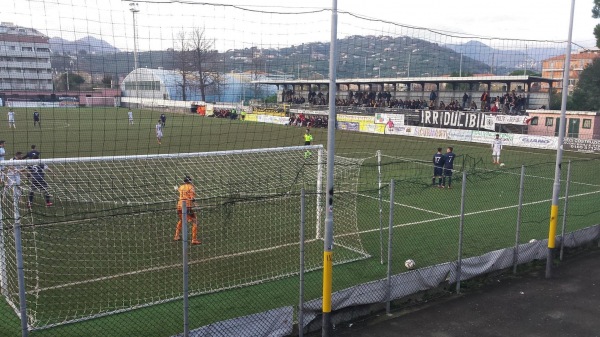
532	240
409	264
502	164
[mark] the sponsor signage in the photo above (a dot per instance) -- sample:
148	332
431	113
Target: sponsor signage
581	145
400	130
457	120
507	119
383	118
350	126
460	135
354	118
540	142
487	137
430	133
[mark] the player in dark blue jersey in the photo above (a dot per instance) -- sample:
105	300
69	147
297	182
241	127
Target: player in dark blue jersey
438	167
37	178
36	119
163	119
448	166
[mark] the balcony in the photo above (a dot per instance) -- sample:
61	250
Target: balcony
32	86
27	65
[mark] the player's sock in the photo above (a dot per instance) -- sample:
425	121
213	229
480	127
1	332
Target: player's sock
440	181
444	181
195	240
30	197
47	196
433	181
449	181
178	230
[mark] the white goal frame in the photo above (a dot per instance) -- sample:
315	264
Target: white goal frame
6	278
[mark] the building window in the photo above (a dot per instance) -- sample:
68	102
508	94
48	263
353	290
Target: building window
12	48
26	49
534	121
549	121
587	124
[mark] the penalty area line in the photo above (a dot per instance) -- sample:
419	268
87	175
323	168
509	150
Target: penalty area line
403	205
467	214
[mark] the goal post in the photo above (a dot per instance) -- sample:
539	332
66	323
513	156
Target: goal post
112	228
101	101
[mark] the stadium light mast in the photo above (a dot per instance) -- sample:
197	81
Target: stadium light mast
134	9
559	151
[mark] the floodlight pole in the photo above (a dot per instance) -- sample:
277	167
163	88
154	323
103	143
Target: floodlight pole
328	237
134	8
559	151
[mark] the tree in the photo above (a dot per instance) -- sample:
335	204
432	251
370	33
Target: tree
183	61
526	72
586	95
107	81
596	15
204	60
75	82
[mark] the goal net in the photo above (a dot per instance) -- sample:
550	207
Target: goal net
102	101
106	246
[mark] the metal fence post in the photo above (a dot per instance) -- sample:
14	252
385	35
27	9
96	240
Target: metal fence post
389	257
19	257
301	289
518	230
184	233
3	274
564	220
379	185
461	231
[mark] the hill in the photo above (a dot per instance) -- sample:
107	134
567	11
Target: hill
360	57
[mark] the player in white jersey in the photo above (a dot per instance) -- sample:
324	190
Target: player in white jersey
496	148
130	115
13	176
2	150
11	119
159	133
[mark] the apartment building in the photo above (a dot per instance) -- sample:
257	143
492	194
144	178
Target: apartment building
24	60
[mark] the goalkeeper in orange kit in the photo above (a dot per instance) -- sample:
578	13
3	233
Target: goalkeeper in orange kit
187	193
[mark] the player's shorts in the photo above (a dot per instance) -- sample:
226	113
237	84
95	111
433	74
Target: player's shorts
496	153
448	172
306	143
438	171
39	186
159	135
190	212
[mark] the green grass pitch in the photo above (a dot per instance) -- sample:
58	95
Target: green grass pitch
425	219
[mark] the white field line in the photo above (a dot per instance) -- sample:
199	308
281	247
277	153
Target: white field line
470	213
404	205
103	278
290	244
489	170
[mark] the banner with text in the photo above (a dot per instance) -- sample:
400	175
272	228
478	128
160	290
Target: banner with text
457	120
430	133
460	135
581	145
540	142
508	119
383	118
487	137
400	130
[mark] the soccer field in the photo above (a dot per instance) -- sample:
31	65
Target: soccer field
425	218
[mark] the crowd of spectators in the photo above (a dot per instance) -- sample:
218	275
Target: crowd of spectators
313	121
509	103
225	113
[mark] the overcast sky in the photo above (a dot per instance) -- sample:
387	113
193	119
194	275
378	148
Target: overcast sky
234	28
